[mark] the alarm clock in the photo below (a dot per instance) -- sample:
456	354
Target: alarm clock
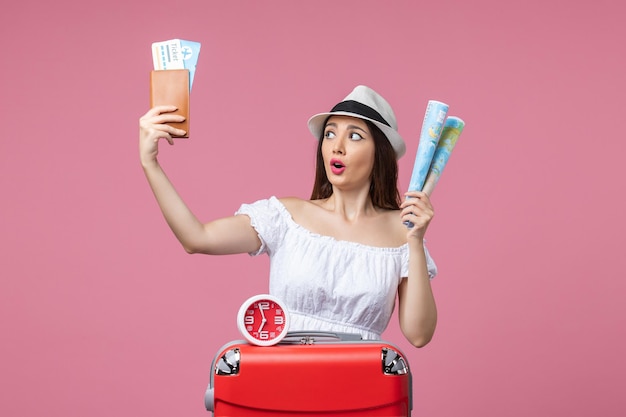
263	320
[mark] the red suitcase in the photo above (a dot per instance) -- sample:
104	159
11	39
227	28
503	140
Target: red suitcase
310	374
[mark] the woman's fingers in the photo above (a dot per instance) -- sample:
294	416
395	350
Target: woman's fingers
154	125
156	110
417	199
417	209
160	115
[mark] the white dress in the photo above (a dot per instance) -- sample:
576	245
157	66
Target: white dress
328	284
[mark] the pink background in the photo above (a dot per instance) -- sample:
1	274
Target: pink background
102	312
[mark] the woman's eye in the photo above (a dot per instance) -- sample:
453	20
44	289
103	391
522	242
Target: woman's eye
329	134
355	136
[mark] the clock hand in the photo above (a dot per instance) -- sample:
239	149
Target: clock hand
262	324
263	319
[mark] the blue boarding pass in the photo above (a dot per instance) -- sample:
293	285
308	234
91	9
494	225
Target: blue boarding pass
176	54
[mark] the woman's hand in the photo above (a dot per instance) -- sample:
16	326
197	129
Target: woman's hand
152	127
418	210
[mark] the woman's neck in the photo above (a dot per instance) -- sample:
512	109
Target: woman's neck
351	205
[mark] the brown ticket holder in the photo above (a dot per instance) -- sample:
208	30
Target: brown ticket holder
172	87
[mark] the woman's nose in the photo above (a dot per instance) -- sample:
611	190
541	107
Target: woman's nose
338	146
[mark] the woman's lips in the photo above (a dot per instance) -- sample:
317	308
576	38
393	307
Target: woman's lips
336	166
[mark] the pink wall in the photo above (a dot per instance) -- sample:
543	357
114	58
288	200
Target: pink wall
103	314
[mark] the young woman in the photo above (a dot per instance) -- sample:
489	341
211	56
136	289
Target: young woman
339	259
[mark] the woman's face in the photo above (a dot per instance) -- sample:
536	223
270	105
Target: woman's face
348	151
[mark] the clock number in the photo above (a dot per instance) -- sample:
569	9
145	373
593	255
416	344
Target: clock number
264	335
248	320
264	305
279	320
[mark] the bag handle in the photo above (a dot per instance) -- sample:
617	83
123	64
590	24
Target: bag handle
312	337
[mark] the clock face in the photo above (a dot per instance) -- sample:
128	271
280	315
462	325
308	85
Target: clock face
263	320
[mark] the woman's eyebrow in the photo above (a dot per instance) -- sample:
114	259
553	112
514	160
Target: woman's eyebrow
357	127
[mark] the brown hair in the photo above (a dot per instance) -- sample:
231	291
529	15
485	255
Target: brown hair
384	185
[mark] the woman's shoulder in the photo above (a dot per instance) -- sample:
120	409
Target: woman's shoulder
298	207
292	201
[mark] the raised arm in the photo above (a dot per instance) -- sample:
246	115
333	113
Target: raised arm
222	236
417	310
